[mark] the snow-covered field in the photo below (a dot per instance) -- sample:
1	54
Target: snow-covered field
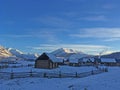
104	81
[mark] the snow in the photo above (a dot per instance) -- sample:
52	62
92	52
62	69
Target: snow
104	81
75	57
73	60
11	58
108	60
88	59
14	51
64	52
20	54
63	69
53	58
4	52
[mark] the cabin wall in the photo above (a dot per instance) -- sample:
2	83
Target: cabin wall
45	64
42	64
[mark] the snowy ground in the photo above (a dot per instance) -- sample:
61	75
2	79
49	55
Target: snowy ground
104	81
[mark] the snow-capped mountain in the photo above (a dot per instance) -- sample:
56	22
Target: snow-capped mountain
68	53
4	52
63	52
20	54
15	52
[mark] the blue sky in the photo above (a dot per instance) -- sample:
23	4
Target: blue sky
45	25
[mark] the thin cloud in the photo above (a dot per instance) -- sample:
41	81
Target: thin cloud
95	18
110	34
53	21
111	39
17	36
95	49
109	6
48	36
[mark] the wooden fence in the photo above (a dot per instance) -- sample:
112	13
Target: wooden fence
15	66
12	75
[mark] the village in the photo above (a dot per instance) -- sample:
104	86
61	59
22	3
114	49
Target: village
48	67
55	67
60	65
49	61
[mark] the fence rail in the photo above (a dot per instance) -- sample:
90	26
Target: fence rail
12	75
15	66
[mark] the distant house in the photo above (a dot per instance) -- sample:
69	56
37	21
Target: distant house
46	61
108	61
73	62
86	61
97	61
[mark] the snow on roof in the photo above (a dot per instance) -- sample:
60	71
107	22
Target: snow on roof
53	58
73	60
92	59
108	60
85	59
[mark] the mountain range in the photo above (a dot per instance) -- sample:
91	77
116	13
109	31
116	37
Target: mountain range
68	53
20	54
63	53
14	53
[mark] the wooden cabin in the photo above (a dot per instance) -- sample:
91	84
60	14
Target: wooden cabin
46	61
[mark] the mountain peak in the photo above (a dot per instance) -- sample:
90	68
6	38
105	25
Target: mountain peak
4	52
14	51
20	54
67	50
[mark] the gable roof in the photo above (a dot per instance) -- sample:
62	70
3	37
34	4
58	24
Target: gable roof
52	57
45	56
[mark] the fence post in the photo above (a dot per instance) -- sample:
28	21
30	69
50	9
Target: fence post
85	88
76	74
12	75
92	72
31	74
106	69
44	75
60	74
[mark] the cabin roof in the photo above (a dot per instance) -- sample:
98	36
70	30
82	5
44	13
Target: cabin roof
88	59
73	60
49	56
108	60
53	58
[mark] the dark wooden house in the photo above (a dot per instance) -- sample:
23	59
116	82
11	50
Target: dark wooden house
46	61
